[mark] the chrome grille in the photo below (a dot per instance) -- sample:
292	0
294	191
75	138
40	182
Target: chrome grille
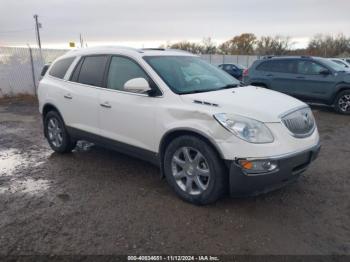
300	123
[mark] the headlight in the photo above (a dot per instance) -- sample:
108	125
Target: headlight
248	129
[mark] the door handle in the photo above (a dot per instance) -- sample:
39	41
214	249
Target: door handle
300	77
269	75
106	105
68	96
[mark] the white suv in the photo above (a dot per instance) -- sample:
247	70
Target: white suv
208	134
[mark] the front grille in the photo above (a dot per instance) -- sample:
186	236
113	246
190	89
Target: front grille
300	123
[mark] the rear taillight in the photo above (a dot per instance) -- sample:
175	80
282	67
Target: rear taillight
245	72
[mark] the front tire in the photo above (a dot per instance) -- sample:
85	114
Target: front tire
56	133
342	102
194	170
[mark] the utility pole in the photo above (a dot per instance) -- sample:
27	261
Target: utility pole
81	41
37	26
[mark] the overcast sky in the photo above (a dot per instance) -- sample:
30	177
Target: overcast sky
152	22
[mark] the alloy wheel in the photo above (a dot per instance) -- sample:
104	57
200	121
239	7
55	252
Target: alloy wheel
190	170
55	132
344	103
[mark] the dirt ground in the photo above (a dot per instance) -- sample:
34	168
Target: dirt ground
95	201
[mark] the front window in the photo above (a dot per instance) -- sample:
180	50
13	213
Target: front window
309	68
187	74
121	70
331	64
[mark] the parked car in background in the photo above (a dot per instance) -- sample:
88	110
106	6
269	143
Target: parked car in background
311	79
341	62
346	60
208	134
234	70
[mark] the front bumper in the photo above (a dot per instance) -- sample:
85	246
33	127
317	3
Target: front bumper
289	169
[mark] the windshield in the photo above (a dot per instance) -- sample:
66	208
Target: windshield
187	74
332	64
339	62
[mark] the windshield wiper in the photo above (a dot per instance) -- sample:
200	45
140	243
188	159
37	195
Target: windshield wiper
197	91
229	86
209	90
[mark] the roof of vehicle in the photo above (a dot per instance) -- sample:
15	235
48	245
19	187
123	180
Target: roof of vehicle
127	51
290	57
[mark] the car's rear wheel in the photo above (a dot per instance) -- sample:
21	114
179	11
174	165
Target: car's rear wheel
342	102
56	133
194	170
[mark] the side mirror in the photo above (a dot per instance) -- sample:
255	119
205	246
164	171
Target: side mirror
44	69
137	85
325	72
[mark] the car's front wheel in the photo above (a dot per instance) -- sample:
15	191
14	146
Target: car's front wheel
194	170
342	102
56	133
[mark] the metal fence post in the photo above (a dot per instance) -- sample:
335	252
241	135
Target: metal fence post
32	68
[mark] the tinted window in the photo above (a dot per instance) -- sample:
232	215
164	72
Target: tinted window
122	70
92	70
309	68
60	68
282	66
265	66
75	75
228	67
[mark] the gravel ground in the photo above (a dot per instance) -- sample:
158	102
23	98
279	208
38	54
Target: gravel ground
95	201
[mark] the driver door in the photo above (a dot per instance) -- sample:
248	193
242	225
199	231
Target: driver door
311	82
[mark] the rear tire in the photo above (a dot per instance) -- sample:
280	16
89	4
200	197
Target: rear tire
342	102
56	133
194	170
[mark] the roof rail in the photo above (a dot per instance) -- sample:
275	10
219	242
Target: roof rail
267	56
179	50
107	46
154	49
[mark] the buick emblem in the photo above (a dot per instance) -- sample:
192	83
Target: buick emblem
307	120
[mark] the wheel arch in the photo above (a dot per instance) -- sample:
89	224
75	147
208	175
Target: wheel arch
47	108
340	88
177	132
50	107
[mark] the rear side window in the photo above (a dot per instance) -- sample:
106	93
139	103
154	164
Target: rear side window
91	70
265	66
281	66
60	68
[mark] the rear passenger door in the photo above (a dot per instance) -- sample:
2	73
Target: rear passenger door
126	116
280	74
81	95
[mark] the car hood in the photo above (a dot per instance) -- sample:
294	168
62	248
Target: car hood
250	101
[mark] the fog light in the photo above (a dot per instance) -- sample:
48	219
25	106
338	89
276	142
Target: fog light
258	166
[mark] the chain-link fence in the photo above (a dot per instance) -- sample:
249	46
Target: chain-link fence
244	60
20	67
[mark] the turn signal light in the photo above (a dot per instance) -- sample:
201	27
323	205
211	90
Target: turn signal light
258	166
